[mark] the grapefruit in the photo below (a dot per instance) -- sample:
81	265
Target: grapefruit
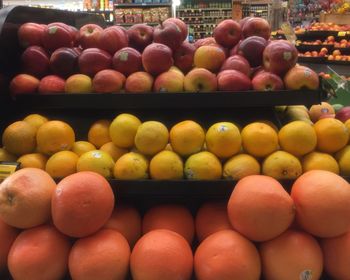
8	235
131	166
240	166
35	160
96	161
123	130
62	164
81	147
320	161
203	166
166	165
98	134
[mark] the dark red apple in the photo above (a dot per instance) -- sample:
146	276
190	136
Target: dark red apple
127	61
30	34
57	35
266	81
64	62
140	36
343	114
24	84
280	56
35	61
204	42
184	55
256	27
252	49
233	80
237	62
243	21
227	33
112	39
168	34
182	25
94	60
157	58
234	50
89	35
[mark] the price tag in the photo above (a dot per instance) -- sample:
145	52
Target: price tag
273	33
341	33
348	32
7	168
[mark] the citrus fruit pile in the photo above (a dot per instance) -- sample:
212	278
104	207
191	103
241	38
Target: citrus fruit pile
78	228
127	148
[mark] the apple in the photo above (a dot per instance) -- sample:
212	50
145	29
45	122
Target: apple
184	56
182	25
57	35
108	81
343	114
64	62
127	61
168	34
78	83
256	27
200	80
35	61
227	33
94	60
157	58
280	56
300	77
210	57
51	84
89	35
30	34
170	81
266	81
139	82
24	84
237	62
140	36
205	42
243	21
233	80
112	39
252	48
234	50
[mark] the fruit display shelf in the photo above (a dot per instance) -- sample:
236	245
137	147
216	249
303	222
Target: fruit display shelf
322	60
305	48
322	35
142	5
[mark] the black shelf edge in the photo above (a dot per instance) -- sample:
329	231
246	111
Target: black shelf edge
142	5
131	24
169	100
322	60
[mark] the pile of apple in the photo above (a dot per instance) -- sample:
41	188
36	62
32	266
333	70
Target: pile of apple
329	41
338	56
328	26
59	58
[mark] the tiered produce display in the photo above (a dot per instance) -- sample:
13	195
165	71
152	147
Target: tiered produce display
63	197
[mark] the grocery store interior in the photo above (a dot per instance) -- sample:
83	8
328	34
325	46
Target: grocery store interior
174	139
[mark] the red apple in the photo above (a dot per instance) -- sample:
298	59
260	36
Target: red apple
200	80
252	48
237	62
182	25
205	42
140	36
243	21
301	77
227	33
256	27
280	56
233	80
234	50
30	34
57	35
184	55
127	61
64	62
157	58
170	81
266	81
24	84
168	34
94	60
51	84
343	114
139	82
108	81
35	61
210	57
89	35
113	39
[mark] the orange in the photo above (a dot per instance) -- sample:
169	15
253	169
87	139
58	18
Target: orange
82	204
203	166
81	147
292	255
55	136
96	161
39	253
316	111
103	255
172	217
131	166
343	158
25	198
240	166
126	220
98	134
161	254
187	138
227	255
8	235
35	120
19	138
347	124
320	161
336	255
62	164
114	151
166	165
210	218
332	135
259	208
6	156
322	203
259	139
35	160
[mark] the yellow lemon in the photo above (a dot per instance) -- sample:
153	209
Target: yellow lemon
123	130
131	166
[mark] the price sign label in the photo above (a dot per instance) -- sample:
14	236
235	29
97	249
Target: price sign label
342	33
7	168
273	33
